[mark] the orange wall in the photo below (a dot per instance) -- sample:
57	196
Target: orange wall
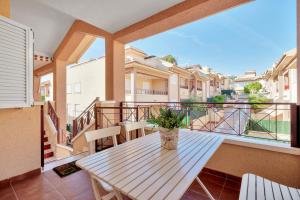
238	160
20	150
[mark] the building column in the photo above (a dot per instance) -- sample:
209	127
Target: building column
280	87
114	70
36	88
60	93
208	89
204	91
293	85
5	8
195	87
173	88
133	85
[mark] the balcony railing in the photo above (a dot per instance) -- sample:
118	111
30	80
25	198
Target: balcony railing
55	120
151	92
184	87
270	121
84	119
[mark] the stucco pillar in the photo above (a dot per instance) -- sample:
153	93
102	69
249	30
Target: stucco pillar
36	88
208	89
114	70
173	87
195	87
60	93
133	85
280	87
293	85
204	91
5	8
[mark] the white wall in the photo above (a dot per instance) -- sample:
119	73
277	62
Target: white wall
91	78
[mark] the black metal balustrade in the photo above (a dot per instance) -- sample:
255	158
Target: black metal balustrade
273	121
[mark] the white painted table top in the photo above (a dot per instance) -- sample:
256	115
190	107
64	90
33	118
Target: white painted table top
142	170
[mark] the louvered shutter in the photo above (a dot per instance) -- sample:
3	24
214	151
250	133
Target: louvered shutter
16	64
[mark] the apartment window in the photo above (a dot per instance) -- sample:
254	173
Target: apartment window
69	89
77	88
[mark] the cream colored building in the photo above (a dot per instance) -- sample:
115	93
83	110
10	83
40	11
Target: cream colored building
85	82
281	79
248	77
147	79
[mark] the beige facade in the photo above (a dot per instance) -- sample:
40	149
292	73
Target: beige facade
248	77
147	79
281	79
85	82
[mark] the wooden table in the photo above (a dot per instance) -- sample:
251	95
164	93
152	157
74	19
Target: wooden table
142	170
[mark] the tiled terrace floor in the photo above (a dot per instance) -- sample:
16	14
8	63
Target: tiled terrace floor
77	187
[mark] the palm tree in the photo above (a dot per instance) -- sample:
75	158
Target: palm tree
170	59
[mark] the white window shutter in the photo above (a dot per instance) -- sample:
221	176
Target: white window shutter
16	64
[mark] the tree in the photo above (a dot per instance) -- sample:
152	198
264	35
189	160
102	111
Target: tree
252	88
170	59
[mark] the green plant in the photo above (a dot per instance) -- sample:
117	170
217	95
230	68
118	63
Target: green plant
252	88
168	118
258	99
170	59
219	99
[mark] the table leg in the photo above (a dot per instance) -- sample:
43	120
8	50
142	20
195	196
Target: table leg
205	189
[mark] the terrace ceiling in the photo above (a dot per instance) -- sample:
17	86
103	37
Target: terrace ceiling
126	21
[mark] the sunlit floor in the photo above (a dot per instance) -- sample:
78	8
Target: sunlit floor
77	186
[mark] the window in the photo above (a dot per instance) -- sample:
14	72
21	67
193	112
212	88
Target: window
69	89
77	88
16	65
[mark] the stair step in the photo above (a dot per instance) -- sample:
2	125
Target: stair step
45	139
48	155
47	160
47	146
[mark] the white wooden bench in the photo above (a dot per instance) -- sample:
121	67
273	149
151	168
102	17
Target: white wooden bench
258	188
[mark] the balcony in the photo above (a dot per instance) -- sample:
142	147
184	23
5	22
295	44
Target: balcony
151	92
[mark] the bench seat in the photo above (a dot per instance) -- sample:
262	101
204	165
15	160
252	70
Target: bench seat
258	188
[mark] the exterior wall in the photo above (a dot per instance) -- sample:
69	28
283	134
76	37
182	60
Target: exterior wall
85	82
152	98
173	88
238	160
184	93
21	144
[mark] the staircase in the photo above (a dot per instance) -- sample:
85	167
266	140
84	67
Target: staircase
85	119
48	151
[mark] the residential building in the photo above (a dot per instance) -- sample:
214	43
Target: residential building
85	82
248	77
281	79
147	78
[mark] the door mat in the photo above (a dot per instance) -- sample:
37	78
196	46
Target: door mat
66	169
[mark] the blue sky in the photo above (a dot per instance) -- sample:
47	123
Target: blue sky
252	36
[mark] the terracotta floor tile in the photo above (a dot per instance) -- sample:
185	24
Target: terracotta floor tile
229	194
35	186
74	185
86	195
194	195
204	177
214	189
6	193
77	186
233	185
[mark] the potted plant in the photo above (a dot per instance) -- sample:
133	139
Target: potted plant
169	121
